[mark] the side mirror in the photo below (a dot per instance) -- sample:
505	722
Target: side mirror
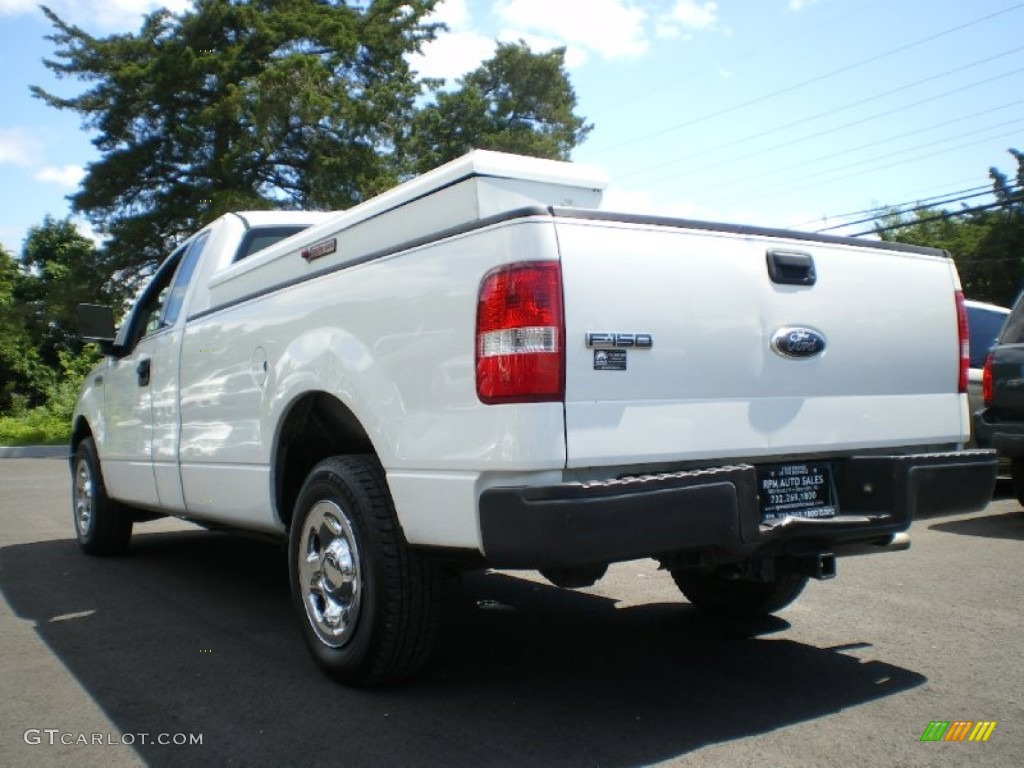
96	324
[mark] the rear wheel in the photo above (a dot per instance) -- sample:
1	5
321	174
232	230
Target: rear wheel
1017	477
368	605
738	598
102	525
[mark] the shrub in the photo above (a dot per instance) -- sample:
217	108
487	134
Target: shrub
50	424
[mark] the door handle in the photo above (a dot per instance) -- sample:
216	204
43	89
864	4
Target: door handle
142	370
791	268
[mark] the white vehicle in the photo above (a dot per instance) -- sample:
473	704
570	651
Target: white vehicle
482	368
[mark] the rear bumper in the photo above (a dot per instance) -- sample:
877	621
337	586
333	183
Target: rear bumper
1007	437
576	524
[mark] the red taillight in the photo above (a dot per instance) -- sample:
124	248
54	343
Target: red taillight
965	340
519	335
986	380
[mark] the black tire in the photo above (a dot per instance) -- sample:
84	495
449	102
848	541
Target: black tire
367	604
1017	477
738	598
102	525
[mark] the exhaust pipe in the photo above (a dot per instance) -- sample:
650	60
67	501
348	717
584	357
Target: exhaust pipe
896	542
822	565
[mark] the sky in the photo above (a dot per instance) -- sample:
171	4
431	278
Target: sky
781	113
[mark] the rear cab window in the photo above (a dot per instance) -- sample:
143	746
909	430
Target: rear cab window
984	325
258	238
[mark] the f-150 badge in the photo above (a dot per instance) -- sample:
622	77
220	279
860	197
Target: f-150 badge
619	341
798	343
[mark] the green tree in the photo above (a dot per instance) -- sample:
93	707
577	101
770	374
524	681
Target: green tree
41	358
19	360
286	103
1009	195
62	269
517	101
1001	252
987	242
240	104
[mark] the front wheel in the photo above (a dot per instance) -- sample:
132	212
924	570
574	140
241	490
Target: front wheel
102	525
367	604
738	598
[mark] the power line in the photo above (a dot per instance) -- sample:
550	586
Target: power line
877	116
837	110
897	137
810	81
832	179
892	210
900	210
731	185
678	81
929	219
916	201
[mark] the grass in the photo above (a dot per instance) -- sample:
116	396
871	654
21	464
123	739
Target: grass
38	426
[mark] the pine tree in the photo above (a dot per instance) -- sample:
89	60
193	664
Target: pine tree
234	105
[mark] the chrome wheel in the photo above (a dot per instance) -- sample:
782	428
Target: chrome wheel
103	526
330	574
367	602
84	497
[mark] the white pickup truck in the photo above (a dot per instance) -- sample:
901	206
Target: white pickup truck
483	368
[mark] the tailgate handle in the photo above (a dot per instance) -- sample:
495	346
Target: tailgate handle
791	268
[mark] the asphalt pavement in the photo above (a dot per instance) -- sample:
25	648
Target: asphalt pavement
190	637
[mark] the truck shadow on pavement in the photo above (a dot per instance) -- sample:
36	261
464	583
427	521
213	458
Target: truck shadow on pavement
192	632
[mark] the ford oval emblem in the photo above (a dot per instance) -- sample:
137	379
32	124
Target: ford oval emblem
798	343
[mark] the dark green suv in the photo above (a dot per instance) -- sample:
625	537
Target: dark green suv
1000	424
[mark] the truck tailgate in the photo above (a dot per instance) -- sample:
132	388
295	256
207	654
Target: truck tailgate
669	348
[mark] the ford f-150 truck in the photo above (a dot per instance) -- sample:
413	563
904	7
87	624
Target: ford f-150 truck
484	368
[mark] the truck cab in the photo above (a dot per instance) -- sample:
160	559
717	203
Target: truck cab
134	396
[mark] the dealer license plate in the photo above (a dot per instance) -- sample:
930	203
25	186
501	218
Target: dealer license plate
796	490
